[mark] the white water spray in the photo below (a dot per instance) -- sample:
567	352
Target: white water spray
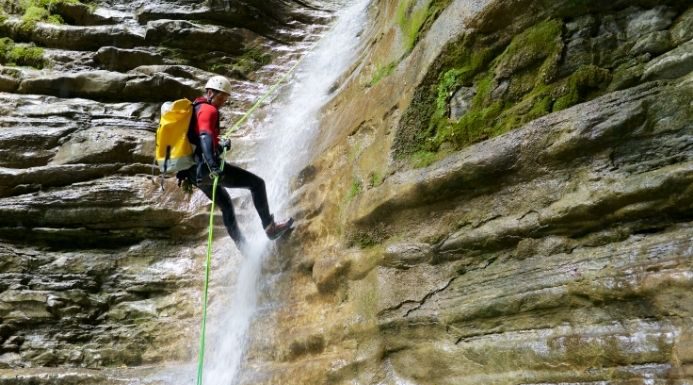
287	134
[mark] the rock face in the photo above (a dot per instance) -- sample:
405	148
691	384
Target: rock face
100	267
511	204
502	194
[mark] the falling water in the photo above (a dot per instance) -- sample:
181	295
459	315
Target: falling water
290	126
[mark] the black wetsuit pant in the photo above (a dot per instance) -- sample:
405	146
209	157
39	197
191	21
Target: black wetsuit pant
233	177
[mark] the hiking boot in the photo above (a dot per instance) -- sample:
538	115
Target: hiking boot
275	230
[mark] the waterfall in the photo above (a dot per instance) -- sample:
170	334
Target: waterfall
285	134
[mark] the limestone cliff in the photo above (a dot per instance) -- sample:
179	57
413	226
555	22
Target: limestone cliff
502	196
501	193
100	268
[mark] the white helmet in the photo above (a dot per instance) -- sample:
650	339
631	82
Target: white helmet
219	83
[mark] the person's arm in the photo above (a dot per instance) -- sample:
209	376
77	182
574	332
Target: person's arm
208	154
207	118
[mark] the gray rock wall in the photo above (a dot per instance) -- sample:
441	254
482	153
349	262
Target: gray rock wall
100	268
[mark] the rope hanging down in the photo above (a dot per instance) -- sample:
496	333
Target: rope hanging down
208	263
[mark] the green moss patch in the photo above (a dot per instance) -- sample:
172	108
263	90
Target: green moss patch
380	73
354	190
21	54
423	158
242	66
36	11
580	84
534	45
513	82
415	17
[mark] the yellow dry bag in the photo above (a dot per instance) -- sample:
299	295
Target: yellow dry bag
173	149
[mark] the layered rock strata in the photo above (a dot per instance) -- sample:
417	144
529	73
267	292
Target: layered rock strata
502	196
100	267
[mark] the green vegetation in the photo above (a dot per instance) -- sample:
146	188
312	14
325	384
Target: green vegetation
3	16
36	11
354	190
35	14
537	43
251	60
20	54
580	83
381	73
513	85
411	20
414	18
376	179
423	158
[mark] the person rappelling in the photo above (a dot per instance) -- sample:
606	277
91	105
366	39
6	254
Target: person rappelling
207	149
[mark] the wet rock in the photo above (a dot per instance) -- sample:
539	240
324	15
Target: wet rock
655	43
461	102
10	360
535	249
76	37
184	34
106	146
407	254
671	65
269	18
159	88
8	84
328	271
98	85
79	14
122	60
110	86
642	22
12	344
682	30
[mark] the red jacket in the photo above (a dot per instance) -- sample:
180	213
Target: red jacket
207	121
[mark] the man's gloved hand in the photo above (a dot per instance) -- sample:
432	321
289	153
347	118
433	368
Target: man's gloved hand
225	144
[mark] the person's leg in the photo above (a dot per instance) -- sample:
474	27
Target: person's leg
236	177
223	201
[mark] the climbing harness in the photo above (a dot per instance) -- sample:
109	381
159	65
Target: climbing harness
208	264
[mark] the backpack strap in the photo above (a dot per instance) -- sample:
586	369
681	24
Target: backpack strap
192	137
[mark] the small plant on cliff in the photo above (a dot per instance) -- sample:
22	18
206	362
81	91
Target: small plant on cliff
423	159
252	60
580	83
21	54
381	73
36	11
354	190
376	179
415	18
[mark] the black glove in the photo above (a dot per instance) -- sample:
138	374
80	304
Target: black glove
225	144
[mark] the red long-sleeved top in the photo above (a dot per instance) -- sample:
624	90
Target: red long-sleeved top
207	121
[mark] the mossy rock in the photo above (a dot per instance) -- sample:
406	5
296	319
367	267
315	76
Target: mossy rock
21	54
578	86
531	46
415	17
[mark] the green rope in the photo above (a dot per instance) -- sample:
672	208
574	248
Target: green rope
208	264
201	355
262	99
